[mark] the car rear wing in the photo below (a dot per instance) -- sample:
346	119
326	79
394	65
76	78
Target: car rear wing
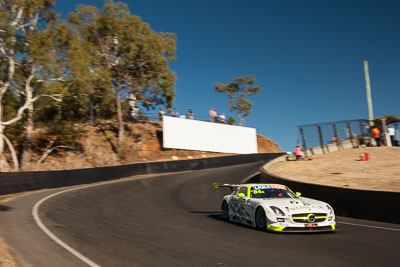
232	186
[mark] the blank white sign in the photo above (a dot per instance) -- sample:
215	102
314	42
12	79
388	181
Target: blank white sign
208	136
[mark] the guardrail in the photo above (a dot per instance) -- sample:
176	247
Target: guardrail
15	182
362	204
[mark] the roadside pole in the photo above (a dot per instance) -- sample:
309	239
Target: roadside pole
369	98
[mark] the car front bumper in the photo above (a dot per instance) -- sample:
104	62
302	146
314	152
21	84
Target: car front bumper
280	227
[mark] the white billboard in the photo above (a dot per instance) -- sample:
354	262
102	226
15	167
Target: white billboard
208	136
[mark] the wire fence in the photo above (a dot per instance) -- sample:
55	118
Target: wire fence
327	137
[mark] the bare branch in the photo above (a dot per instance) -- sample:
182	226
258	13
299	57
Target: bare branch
19	114
48	151
17	17
28	101
12	150
52	79
32	24
34	21
2	47
54	97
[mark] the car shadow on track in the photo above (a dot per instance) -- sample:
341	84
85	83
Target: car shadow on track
216	215
5	208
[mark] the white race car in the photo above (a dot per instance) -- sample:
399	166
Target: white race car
275	207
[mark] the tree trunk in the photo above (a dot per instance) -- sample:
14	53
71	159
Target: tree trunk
121	132
4	167
59	108
27	146
13	154
2	159
91	112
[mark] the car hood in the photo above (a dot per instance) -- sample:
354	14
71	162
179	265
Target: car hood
296	205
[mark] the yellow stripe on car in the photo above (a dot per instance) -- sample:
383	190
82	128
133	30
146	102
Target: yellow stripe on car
275	228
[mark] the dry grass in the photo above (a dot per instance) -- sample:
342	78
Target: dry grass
344	169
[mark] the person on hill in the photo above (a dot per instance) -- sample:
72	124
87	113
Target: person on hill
134	113
175	113
213	114
190	114
160	114
376	134
222	118
298	152
391	132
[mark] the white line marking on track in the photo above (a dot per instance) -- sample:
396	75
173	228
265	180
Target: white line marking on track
35	213
54	237
371	226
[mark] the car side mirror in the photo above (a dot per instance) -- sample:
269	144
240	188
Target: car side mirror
240	195
298	194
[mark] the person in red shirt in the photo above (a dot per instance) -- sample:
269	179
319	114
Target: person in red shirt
298	152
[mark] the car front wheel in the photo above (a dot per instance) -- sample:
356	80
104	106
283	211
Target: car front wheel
261	219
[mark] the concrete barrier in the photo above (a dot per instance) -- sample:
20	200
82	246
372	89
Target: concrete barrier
332	147
14	182
362	204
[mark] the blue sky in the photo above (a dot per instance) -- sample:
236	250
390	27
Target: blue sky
277	41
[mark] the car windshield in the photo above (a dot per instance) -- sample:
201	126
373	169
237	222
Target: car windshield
270	192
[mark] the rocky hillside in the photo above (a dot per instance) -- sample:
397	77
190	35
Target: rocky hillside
95	146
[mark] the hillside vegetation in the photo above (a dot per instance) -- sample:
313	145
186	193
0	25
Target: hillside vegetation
95	145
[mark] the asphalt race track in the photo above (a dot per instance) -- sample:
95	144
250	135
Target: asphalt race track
173	220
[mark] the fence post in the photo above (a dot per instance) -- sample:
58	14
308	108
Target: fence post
321	139
361	128
364	138
351	134
303	140
335	133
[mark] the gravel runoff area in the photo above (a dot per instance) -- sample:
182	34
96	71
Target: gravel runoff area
345	169
6	258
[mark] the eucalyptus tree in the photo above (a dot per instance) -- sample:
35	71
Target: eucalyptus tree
237	91
128	55
31	64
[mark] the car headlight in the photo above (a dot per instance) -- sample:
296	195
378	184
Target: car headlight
277	211
329	209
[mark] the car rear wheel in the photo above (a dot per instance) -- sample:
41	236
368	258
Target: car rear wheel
225	211
261	219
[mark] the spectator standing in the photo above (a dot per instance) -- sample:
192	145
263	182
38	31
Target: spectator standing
298	152
134	113
175	113
376	134
222	118
160	114
213	114
391	132
190	114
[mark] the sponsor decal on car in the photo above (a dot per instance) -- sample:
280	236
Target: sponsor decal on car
260	187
